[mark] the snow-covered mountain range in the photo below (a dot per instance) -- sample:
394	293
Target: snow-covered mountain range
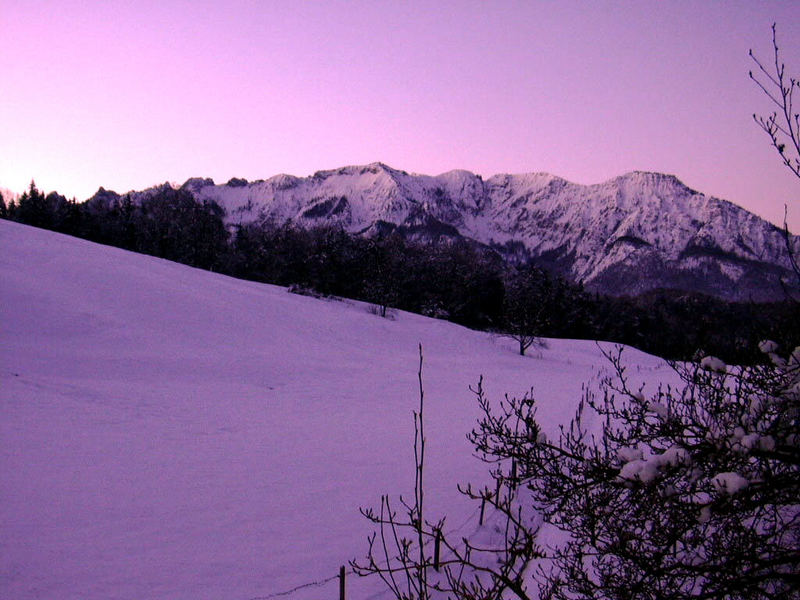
628	235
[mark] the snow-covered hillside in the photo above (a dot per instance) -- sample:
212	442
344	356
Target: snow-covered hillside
169	433
628	235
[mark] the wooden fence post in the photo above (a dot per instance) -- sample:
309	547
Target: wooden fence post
436	545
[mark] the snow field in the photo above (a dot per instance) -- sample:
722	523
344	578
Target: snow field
171	433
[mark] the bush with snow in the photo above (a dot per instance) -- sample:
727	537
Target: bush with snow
693	492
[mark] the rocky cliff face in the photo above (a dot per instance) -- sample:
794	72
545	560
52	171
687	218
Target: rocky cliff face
634	233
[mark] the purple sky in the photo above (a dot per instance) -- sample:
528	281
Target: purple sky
130	94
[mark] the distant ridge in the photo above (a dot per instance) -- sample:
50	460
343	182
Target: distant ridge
628	235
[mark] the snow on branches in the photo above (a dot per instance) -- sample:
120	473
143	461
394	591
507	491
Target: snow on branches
692	491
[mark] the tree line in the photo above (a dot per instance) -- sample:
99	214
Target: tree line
458	280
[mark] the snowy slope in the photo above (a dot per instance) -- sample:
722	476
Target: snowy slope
169	433
628	235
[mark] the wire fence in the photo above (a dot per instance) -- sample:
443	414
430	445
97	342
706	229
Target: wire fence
302	586
338	576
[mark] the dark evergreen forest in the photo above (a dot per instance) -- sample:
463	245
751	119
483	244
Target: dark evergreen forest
457	280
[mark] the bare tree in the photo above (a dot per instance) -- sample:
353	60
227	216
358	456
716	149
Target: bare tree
526	306
683	493
416	557
782	125
397	550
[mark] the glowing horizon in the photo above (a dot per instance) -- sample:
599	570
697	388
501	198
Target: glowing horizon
129	95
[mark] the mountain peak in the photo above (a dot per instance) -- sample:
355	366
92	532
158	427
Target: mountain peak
650	175
353	170
652	178
196	183
458	174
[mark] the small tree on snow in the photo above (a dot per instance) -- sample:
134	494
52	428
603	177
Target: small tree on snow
417	559
526	306
383	274
399	555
